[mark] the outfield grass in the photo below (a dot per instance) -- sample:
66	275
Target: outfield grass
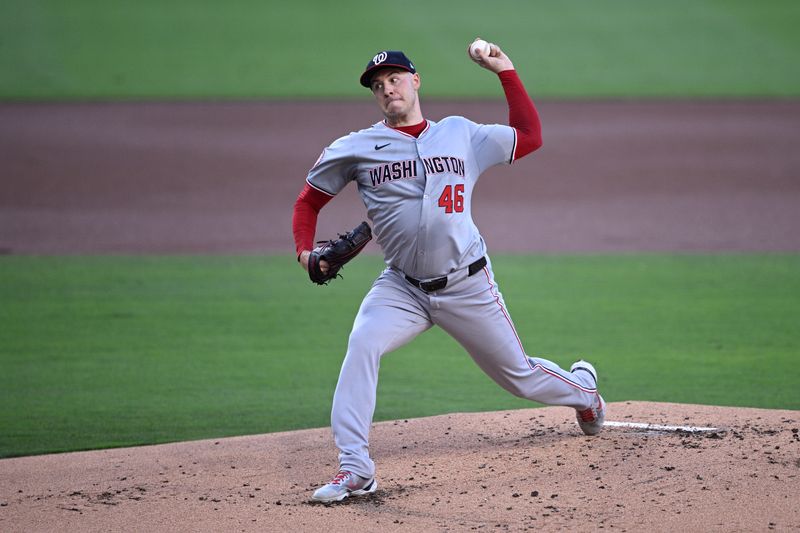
110	351
91	49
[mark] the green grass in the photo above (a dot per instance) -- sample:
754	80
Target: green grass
91	49
110	351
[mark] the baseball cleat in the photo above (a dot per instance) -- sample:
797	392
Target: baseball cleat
590	420
344	484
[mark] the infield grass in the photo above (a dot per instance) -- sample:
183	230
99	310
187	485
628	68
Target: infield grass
91	49
109	351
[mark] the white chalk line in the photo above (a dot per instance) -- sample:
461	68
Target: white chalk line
659	427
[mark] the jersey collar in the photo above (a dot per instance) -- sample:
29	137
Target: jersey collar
426	123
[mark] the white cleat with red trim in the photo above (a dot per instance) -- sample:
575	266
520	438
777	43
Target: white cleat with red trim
590	420
344	484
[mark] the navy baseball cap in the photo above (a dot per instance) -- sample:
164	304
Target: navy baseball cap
386	59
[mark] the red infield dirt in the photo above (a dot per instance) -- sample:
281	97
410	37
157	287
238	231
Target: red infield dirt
222	178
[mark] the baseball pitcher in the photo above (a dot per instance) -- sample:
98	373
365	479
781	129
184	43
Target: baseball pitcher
416	177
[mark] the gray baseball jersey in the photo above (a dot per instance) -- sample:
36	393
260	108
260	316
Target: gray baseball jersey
418	191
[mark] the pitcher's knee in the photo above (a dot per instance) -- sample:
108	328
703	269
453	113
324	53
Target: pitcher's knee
516	388
362	341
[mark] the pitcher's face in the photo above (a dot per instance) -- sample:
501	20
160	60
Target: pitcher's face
395	91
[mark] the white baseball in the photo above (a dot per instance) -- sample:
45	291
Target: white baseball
479	44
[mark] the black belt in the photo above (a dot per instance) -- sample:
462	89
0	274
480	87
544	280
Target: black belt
440	283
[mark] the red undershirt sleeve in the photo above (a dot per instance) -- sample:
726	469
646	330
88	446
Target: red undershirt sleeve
522	115
304	219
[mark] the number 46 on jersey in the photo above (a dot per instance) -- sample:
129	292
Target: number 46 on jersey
452	198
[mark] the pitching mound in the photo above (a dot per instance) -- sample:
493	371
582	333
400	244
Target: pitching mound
527	469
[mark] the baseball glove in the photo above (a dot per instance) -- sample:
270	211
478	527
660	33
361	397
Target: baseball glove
337	253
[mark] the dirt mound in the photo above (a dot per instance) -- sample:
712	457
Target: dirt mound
516	470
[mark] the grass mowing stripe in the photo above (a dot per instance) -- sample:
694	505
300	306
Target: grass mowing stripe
112	351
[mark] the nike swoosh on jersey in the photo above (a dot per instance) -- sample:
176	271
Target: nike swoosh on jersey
382	146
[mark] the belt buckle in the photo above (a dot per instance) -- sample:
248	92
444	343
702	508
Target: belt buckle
434	284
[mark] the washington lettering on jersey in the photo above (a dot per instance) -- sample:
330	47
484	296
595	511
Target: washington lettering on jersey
398	170
441	164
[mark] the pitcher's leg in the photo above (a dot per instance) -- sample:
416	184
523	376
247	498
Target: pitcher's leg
388	318
477	318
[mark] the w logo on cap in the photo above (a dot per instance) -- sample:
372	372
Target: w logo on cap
387	58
